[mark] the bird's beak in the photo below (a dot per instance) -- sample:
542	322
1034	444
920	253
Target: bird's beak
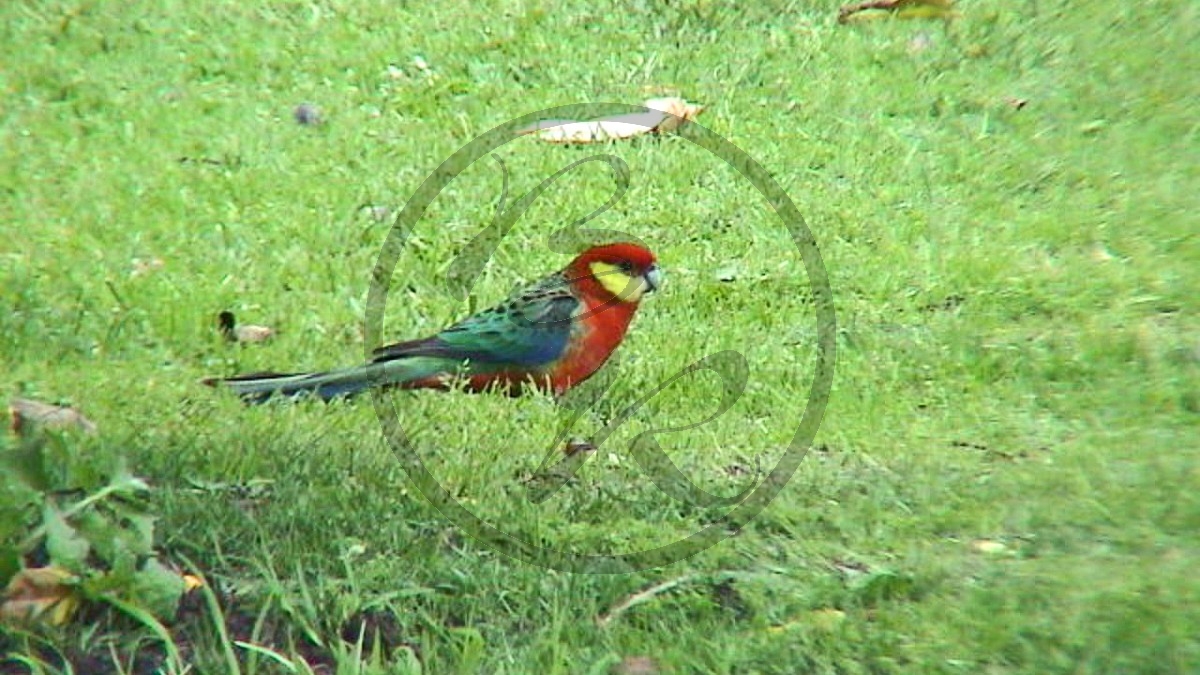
653	278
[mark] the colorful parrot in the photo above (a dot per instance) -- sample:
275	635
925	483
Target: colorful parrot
552	336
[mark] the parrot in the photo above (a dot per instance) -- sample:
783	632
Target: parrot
550	336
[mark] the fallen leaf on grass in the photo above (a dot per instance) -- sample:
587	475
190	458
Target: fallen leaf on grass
901	9
666	115
377	213
145	266
850	568
27	414
576	445
919	43
243	333
420	64
34	591
636	665
252	333
1101	254
988	546
727	273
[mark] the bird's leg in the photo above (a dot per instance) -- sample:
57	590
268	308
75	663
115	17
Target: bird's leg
569	451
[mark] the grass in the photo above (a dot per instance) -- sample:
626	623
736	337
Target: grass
1018	351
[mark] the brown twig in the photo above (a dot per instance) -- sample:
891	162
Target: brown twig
640	597
847	11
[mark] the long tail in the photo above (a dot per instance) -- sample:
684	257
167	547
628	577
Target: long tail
260	387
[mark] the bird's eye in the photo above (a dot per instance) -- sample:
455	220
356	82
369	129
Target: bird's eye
626	266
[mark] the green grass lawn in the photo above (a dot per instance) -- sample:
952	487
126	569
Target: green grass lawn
1006	477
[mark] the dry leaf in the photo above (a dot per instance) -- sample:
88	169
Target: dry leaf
34	591
141	266
919	43
727	273
377	213
679	112
1101	254
574	446
637	665
27	413
902	9
988	546
850	568
252	333
666	115
191	582
244	333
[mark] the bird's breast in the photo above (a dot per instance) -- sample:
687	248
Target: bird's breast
599	329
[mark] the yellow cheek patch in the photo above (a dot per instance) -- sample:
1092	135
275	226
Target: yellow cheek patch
620	284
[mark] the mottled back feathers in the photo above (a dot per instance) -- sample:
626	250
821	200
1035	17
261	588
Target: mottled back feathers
530	329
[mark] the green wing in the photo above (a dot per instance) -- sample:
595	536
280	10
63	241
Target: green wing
529	330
